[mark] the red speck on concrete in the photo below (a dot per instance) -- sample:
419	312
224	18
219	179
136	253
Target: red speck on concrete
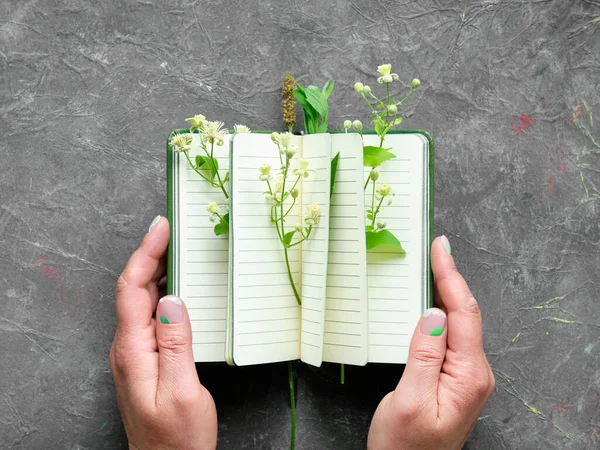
524	122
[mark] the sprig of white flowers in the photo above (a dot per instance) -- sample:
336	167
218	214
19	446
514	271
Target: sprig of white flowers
205	164
385	115
280	196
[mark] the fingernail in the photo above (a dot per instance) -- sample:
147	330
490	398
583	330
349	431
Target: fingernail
154	223
446	244
170	310
162	282
434	322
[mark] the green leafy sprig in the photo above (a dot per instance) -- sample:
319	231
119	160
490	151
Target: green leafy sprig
385	115
314	102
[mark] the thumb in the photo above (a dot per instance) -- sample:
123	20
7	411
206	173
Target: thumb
176	368
419	383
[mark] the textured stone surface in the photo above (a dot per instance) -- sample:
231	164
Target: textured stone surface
89	91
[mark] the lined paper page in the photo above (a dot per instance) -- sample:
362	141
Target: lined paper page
397	283
266	315
202	257
315	190
346	325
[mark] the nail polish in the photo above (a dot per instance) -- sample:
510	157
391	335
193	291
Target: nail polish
434	322
446	244
170	310
154	223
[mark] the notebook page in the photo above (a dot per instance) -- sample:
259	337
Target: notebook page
201	257
316	148
266	315
346	325
397	283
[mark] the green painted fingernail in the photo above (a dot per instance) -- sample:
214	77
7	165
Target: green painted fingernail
434	322
446	245
163	319
154	223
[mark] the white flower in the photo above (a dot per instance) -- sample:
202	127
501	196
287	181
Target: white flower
214	131
383	190
381	224
181	142
290	152
302	170
213	218
415	83
347	124
286	139
357	125
358	87
366	90
298	228
265	172
386	75
197	122
213	208
384	69
241	128
314	215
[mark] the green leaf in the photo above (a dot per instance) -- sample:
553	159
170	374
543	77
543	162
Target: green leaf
374	156
370	216
334	164
223	226
317	100
214	167
212	163
368	228
287	238
383	238
226	177
378	127
328	88
398	121
381	105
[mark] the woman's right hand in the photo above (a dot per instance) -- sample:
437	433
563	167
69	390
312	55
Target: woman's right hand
447	380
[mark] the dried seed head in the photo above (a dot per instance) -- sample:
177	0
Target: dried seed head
288	102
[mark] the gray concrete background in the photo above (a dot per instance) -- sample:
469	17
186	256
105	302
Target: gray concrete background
89	91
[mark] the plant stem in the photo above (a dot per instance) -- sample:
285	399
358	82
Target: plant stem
289	271
196	170
373	204
217	171
342	374
376	212
292	404
367	183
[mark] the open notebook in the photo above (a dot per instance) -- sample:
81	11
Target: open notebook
358	306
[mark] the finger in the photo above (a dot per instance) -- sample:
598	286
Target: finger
177	371
464	317
134	303
419	384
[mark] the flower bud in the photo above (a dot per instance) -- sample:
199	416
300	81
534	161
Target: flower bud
374	175
366	90
294	193
381	224
276	138
347	124
415	83
358	87
392	109
357	125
